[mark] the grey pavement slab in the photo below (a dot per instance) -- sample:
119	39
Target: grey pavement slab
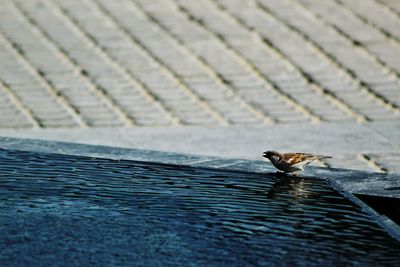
390	131
242	142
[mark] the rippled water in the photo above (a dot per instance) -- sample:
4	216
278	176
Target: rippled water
80	211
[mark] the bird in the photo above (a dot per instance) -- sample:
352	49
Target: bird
291	163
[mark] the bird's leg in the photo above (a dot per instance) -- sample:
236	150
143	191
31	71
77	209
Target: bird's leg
280	173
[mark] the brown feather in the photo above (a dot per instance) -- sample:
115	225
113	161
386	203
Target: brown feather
294	158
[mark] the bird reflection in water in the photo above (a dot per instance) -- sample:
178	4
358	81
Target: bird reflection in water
292	188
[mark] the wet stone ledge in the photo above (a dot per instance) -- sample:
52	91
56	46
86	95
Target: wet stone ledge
353	181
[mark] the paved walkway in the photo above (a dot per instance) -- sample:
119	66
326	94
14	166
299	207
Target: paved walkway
84	69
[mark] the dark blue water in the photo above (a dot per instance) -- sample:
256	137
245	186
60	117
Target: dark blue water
68	210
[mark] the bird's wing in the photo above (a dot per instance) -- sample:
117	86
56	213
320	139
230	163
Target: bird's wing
295	158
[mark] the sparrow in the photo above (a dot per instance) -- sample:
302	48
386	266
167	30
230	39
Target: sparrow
291	162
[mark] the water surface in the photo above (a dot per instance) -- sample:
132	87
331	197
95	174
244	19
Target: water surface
70	210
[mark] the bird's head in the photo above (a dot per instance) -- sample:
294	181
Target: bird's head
272	155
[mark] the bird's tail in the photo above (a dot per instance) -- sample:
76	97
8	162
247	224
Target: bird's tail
323	157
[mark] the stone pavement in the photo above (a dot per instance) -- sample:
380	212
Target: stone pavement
217	77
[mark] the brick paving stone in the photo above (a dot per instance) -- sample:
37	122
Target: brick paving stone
351	59
172	56
357	30
93	62
307	61
258	52
17	77
157	82
10	115
350	162
393	5
377	14
211	50
389	162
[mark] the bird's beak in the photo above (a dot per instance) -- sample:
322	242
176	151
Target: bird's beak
264	154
